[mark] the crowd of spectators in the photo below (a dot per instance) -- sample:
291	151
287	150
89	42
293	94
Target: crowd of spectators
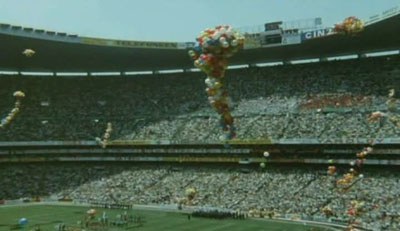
279	191
326	101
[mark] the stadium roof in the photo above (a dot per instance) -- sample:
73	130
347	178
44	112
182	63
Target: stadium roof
61	52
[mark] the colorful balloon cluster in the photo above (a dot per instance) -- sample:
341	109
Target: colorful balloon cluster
211	55
391	104
103	142
356	209
375	116
350	25
348	179
190	195
19	95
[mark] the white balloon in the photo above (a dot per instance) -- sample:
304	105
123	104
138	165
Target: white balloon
222	30
234	42
209	82
229	32
28	52
216	35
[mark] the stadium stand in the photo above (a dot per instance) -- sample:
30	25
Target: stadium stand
280	191
327	101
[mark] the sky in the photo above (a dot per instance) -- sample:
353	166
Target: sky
174	20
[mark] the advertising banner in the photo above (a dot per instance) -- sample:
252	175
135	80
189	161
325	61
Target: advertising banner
130	43
316	33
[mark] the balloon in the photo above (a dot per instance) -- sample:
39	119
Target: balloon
234	42
262	165
91	212
368	149
192	54
9	118
391	93
19	95
331	170
15	110
190	193
350	25
211	91
28	52
23	221
215	45
103	142
208	82
266	154
218	85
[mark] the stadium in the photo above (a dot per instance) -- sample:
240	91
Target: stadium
103	134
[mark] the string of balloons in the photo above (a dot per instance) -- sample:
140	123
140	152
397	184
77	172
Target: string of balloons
214	47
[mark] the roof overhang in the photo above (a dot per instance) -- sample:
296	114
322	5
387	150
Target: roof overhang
63	56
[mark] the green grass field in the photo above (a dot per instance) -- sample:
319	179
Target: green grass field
49	216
